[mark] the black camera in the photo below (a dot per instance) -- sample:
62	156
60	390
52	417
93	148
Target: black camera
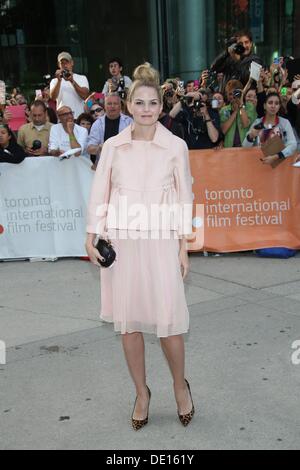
36	145
122	94
259	126
187	100
66	74
47	79
119	85
122	83
122	91
198	104
169	94
237	47
237	94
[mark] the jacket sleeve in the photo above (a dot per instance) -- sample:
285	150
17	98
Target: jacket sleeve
96	136
53	139
16	155
222	63
100	194
292	110
183	183
251	113
105	88
246	142
290	140
215	117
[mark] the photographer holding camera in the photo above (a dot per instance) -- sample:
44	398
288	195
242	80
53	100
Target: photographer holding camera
170	98
117	83
67	88
34	137
235	62
200	122
237	117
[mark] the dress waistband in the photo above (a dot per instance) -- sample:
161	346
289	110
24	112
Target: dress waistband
165	187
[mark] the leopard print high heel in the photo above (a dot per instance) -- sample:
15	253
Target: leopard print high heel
187	418
138	424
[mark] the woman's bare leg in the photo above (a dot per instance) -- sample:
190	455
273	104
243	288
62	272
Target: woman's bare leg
173	348
134	349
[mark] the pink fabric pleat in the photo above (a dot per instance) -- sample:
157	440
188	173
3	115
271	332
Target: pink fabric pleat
144	290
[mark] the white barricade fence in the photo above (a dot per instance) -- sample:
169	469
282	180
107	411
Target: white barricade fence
43	206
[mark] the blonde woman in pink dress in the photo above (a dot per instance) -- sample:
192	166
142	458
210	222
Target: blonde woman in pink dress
142	168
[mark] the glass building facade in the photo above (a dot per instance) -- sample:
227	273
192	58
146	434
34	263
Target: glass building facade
180	37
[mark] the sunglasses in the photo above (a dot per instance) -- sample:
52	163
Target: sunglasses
98	110
66	114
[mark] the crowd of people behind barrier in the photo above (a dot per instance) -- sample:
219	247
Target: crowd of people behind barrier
225	107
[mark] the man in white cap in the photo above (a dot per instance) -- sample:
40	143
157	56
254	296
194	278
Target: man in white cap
68	88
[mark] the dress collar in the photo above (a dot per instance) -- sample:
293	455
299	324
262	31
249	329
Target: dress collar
161	137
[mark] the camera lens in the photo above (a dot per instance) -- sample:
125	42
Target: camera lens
187	100
66	74
36	145
239	49
122	95
237	93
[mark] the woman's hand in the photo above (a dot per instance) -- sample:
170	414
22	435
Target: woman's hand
235	105
184	262
267	78
254	133
93	254
204	78
270	160
7	116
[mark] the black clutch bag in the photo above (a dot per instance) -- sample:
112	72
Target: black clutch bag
107	252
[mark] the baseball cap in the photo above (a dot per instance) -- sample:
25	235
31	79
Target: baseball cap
64	56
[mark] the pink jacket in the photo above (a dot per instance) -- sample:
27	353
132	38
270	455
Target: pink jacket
141	175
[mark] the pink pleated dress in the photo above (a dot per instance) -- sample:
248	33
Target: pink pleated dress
144	290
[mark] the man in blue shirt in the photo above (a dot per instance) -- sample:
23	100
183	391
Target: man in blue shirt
109	125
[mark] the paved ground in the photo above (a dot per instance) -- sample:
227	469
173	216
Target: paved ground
66	386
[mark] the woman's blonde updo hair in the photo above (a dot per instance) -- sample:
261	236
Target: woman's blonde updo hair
145	75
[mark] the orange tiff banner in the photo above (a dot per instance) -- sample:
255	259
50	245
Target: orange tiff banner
241	204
